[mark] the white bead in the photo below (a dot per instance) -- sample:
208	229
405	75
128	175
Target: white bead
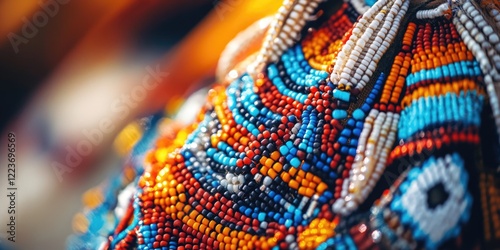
494	38
487	30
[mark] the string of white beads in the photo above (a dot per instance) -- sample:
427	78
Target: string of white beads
370	39
482	41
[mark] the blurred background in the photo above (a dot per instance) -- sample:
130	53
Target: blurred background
75	73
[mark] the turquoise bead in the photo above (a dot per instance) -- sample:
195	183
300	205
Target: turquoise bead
295	162
341	95
358	114
272	71
339	114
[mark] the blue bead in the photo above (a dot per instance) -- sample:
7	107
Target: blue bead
344	150
358	114
277	198
342	140
295	162
323	156
453	72
262	216
341	95
351	123
283	150
352	151
277	216
365	108
272	71
306	166
356	131
339	114
248	212
297	216
211	152
346	132
325	168
253	111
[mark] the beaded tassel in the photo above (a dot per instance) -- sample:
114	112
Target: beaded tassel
369	40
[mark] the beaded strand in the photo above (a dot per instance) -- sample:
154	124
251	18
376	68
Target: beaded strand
283	31
484	43
442	10
378	25
378	134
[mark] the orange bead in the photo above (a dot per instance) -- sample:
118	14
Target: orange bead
275	155
277	167
321	187
285	177
293	184
271	173
269	162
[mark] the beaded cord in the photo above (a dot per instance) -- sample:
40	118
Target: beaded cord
285	158
442	10
443	74
484	42
369	40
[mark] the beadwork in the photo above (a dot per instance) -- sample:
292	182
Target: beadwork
292	153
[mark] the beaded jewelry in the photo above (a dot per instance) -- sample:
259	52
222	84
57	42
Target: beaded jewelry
291	154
